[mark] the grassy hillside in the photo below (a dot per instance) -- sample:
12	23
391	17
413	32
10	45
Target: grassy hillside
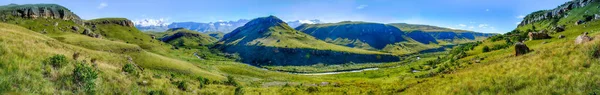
444	35
270	31
187	38
425	28
553	65
270	41
371	36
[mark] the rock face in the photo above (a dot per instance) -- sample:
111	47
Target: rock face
521	49
537	35
118	21
34	11
560	11
583	38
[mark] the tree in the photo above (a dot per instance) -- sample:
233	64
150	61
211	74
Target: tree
486	49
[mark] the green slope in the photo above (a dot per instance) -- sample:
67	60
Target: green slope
371	36
553	65
270	31
283	45
444	35
186	38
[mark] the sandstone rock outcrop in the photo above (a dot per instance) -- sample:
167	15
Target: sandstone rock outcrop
558	29
52	11
521	49
560	11
582	38
537	35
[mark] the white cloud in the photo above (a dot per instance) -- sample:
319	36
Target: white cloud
362	6
462	25
483	25
487	10
307	21
518	23
102	5
152	22
520	16
471	27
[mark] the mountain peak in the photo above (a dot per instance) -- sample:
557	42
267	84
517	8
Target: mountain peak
269	20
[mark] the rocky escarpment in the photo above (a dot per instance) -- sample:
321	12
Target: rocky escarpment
34	11
118	21
558	12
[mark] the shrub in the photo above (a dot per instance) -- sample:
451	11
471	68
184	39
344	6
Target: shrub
157	92
130	68
76	55
239	90
57	61
231	81
486	49
202	81
84	76
181	85
312	89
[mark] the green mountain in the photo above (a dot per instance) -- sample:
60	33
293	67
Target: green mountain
181	37
270	41
122	29
397	38
455	36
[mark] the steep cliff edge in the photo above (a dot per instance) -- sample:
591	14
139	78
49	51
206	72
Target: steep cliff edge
34	11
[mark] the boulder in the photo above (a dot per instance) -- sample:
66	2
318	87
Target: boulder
561	36
596	16
75	28
579	22
582	38
538	35
521	49
558	28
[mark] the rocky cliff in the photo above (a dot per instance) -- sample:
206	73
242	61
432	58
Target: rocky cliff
34	11
118	21
558	12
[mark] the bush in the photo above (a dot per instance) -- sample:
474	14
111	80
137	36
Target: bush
312	89
157	92
57	61
84	75
231	81
239	90
181	85
486	49
130	68
202	81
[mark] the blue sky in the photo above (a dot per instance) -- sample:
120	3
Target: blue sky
491	16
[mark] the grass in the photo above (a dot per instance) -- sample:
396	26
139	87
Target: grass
556	66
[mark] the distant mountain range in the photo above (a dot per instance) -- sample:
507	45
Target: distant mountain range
221	26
